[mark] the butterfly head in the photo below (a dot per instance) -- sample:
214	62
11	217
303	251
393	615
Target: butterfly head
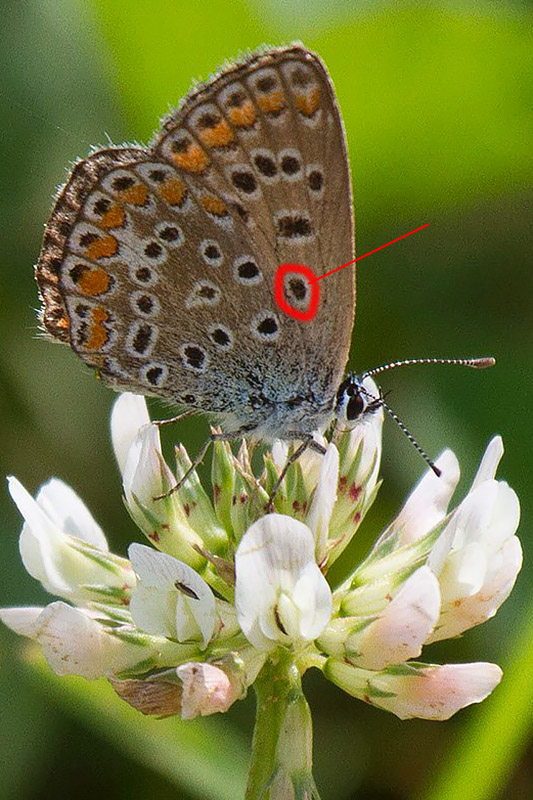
357	397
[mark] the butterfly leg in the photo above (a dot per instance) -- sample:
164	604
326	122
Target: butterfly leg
214	437
172	420
308	444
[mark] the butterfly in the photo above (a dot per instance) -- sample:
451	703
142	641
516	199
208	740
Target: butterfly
159	263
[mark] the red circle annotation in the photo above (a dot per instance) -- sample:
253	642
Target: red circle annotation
279	294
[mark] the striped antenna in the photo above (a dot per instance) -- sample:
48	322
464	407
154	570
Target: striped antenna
475	363
411	438
380	401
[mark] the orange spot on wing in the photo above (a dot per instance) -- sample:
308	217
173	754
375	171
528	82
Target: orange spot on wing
218	136
193	159
102	248
136	195
275	101
308	103
94	281
63	323
214	205
174	191
113	218
98	335
243	117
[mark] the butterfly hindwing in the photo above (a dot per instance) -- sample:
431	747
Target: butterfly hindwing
158	263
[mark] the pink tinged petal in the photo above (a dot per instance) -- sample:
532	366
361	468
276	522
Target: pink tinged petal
489	462
428	502
129	414
22	620
415	690
171	599
280	593
75	644
402	628
324	498
463	612
206	689
486	518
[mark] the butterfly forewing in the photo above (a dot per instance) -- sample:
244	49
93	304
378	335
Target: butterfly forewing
158	264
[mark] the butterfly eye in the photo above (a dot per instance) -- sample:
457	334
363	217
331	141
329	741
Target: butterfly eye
355	407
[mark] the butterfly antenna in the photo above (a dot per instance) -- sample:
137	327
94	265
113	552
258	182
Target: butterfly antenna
381	401
411	438
475	363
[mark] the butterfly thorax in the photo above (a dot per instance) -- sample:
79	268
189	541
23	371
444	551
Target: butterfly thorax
290	419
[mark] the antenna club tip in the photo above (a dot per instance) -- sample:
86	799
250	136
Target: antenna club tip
436	470
483	363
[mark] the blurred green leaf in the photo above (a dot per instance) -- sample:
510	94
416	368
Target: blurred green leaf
433	103
160	47
206	757
446	105
481	758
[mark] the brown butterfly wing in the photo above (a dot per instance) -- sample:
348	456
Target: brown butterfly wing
158	264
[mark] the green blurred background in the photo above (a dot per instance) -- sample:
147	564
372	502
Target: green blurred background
437	101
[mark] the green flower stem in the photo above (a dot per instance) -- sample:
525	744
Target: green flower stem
281	767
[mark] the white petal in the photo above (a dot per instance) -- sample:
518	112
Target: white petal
505	516
323	500
489	515
159	607
369	432
489	462
274	555
428	503
441	691
280	451
403	627
64	507
145	472
64	565
461	612
75	644
310	463
465	571
431	692
39	541
23	620
129	414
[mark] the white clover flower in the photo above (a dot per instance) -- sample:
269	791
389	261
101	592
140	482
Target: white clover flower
171	600
228	595
281	596
63	547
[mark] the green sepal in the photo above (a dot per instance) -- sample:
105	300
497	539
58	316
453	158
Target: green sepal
222	480
197	506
